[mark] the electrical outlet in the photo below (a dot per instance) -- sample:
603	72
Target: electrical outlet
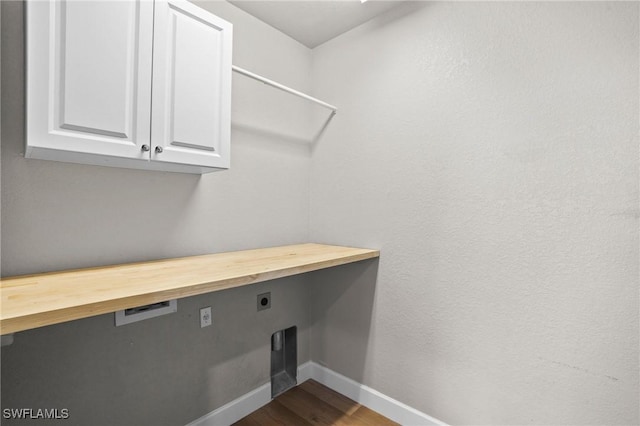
205	317
264	301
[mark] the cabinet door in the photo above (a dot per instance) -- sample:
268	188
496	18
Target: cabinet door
88	78
191	107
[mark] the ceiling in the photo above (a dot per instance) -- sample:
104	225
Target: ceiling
314	22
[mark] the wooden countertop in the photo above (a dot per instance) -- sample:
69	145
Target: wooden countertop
33	301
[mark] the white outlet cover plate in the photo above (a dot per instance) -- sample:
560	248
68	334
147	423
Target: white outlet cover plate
205	317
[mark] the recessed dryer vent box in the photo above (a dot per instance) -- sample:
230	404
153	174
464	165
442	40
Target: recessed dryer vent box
284	360
140	313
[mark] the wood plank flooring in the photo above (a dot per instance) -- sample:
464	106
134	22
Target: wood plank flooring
311	403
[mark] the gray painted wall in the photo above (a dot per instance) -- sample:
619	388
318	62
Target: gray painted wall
490	150
60	216
163	371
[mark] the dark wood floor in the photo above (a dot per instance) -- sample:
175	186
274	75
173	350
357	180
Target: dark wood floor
311	403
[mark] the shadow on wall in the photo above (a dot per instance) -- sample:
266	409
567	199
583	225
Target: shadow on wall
271	135
162	371
241	359
279	137
341	317
65	215
274	115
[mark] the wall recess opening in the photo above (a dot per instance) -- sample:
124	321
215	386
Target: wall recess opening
139	313
284	360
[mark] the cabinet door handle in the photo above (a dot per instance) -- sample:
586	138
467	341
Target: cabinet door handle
158	150
145	147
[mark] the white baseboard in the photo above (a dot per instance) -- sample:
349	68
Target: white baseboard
370	398
236	409
305	371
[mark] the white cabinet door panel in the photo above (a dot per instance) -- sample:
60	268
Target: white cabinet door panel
89	77
191	86
102	78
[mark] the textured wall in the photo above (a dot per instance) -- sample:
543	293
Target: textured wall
162	371
61	216
490	150
56	216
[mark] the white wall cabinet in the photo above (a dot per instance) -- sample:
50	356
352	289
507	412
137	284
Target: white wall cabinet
137	83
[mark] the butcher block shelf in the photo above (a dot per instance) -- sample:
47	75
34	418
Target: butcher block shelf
33	301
